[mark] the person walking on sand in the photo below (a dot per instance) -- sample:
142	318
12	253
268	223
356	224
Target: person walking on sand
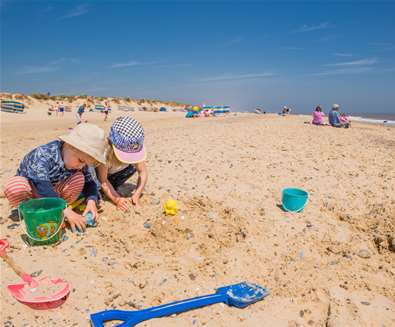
61	109
106	110
80	112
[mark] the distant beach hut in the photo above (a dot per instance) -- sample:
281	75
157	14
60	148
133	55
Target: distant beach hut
221	110
99	107
217	110
162	109
12	106
126	108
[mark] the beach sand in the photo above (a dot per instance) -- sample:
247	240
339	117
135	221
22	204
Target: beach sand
330	265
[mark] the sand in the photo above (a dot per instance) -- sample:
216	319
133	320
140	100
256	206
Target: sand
330	265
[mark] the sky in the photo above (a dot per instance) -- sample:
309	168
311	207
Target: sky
239	53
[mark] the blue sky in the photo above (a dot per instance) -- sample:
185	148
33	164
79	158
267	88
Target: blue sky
241	53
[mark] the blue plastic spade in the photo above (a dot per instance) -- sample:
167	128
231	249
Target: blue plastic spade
238	295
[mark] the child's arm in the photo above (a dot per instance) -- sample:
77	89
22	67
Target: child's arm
92	195
108	189
142	170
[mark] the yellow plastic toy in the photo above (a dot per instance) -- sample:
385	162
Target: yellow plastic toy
170	207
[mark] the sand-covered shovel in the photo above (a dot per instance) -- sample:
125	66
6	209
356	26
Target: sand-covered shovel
41	294
238	295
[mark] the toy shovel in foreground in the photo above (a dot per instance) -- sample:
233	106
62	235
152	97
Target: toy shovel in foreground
41	294
239	295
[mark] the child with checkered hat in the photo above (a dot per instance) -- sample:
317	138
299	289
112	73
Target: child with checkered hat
126	156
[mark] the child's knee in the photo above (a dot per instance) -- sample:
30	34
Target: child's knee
73	187
17	190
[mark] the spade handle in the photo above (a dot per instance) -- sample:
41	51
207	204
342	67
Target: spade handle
18	270
131	318
174	308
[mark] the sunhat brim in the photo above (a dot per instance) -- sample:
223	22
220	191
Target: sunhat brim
83	148
130	157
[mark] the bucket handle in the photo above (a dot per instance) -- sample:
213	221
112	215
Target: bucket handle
39	239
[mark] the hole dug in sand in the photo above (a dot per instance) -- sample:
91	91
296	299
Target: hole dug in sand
202	231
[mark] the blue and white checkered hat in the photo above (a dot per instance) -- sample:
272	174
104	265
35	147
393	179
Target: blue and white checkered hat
127	138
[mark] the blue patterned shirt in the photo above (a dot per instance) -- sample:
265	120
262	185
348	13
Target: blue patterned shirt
44	167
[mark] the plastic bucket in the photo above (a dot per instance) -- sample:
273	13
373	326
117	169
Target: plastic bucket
43	220
294	199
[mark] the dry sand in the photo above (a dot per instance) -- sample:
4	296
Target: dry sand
330	265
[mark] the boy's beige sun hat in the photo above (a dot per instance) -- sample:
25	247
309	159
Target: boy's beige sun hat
88	138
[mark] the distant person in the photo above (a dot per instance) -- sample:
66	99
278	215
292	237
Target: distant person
61	109
285	111
344	119
260	111
106	110
318	116
57	108
334	117
80	112
50	109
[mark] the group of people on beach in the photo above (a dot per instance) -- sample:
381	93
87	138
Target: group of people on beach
335	118
59	110
85	164
283	112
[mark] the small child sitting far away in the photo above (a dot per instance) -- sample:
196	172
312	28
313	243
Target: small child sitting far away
59	169
344	119
126	156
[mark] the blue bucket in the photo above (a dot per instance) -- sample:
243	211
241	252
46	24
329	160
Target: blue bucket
294	199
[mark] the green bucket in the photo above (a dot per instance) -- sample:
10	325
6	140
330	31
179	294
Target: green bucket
43	220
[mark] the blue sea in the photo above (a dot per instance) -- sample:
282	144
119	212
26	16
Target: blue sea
385	118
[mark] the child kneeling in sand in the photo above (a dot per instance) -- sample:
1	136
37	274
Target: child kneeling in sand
59	169
125	156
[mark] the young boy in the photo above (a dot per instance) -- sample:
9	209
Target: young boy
59	169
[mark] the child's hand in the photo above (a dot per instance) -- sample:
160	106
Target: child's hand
91	206
122	204
75	220
136	199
